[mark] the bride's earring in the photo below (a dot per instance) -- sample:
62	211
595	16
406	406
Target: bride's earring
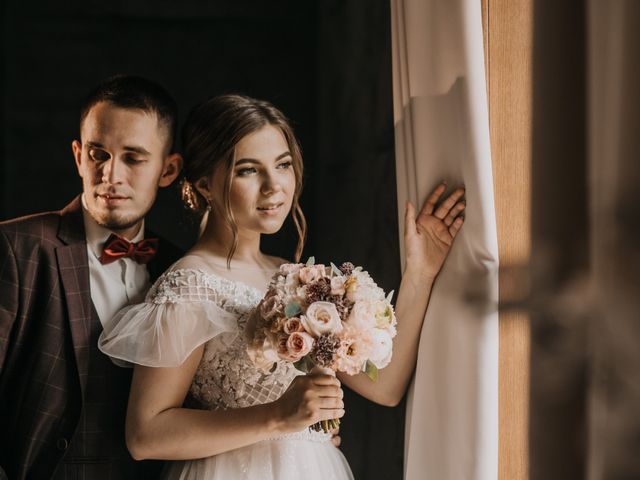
208	204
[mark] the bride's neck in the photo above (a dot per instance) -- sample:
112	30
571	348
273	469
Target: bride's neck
217	239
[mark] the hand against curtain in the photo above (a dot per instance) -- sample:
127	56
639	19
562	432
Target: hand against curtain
429	236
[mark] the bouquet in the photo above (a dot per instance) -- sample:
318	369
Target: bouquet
328	317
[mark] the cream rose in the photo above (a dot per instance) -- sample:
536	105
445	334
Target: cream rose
321	318
337	285
381	348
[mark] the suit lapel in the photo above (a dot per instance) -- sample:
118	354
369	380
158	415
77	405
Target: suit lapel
73	266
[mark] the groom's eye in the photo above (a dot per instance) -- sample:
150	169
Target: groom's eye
99	155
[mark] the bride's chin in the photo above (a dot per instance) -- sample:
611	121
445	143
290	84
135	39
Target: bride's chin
271	228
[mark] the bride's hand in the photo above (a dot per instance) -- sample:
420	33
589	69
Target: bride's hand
308	400
429	236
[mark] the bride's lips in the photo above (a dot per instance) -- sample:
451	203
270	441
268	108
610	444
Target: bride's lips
270	209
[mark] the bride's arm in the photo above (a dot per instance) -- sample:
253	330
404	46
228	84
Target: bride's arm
428	239
159	427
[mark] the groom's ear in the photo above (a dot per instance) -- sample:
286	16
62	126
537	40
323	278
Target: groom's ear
76	148
170	169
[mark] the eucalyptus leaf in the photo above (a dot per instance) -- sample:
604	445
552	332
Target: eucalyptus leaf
311	261
335	269
371	370
292	309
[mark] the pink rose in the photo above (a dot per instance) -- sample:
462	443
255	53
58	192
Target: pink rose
295	346
271	304
312	273
299	344
320	318
288	268
293	325
337	285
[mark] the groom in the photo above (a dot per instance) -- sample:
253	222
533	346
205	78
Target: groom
64	273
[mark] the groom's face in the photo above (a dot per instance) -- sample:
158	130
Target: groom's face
123	157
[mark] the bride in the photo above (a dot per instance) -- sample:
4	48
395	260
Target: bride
196	397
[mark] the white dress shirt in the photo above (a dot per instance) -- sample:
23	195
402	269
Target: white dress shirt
117	284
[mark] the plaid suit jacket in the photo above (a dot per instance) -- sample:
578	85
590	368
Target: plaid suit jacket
45	309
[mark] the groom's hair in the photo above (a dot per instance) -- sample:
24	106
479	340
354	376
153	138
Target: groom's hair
139	93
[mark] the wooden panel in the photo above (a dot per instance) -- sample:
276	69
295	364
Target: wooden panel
508	56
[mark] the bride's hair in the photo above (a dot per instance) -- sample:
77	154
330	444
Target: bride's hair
209	137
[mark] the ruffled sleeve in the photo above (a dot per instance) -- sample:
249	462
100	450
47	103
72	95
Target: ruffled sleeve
182	311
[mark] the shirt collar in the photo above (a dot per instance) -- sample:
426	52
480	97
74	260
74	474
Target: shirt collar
97	235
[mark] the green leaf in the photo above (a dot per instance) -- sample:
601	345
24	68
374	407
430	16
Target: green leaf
311	261
304	364
335	269
292	309
371	370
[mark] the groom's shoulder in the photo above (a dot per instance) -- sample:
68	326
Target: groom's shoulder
30	229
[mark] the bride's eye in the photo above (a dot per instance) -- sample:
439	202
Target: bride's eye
284	165
243	172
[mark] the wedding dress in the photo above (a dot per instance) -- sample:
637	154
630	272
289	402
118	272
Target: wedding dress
188	307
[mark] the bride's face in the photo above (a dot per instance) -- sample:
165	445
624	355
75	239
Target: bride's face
263	182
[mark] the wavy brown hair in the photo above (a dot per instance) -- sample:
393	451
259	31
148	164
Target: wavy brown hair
210	134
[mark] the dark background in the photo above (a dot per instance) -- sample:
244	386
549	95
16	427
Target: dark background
325	63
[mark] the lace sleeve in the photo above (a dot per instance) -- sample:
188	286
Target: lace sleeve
182	311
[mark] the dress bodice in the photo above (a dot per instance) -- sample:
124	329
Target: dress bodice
226	377
190	307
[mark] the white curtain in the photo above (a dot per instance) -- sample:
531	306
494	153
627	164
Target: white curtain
442	132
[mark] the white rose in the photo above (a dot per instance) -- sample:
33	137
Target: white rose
321	318
362	316
382	348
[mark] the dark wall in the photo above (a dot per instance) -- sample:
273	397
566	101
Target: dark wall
325	63
53	55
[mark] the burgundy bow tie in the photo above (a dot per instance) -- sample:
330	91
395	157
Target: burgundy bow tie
117	247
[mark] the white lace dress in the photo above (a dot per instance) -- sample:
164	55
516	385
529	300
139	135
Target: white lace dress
186	308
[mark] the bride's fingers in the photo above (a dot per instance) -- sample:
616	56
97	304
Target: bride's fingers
430	204
330	403
329	414
409	220
448	204
321	379
453	213
455	227
329	391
